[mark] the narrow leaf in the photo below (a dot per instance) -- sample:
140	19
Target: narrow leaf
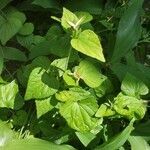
129	30
117	141
138	143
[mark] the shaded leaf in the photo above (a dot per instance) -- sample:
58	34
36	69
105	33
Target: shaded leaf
93	7
9	28
129	30
27	29
11	53
46	3
117	141
4	3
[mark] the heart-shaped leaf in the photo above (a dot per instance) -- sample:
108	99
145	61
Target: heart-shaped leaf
89	44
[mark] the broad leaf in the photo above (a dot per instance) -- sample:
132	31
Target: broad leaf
85	138
29	41
9	96
88	43
27	29
129	106
13	13
84	16
41	85
129	30
69	78
104	111
93	7
9	28
89	74
68	19
46	3
118	141
79	109
41	61
138	143
105	87
58	46
60	65
132	86
11	53
20	118
74	94
43	106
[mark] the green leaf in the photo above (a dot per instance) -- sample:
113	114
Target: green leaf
9	28
85	138
13	13
41	85
68	19
74	94
129	107
142	129
1	61
69	79
88	43
60	65
43	106
11	53
93	7
104	111
138	143
54	31
20	118
58	46
129	30
9	96
117	141
6	134
132	86
29	41
34	144
4	3
89	74
104	88
46	3
85	16
78	109
27	29
41	61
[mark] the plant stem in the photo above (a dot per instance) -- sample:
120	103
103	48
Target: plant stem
68	58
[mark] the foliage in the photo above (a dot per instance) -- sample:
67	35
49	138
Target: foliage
74	74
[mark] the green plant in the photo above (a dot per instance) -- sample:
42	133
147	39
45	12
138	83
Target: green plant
77	80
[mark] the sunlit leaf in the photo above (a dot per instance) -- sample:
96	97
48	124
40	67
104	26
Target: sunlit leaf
89	44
